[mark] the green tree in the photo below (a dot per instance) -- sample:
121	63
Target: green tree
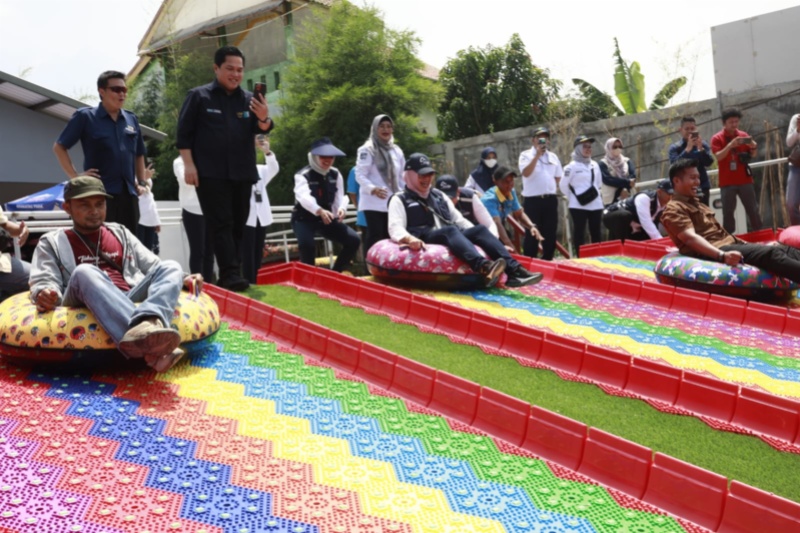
493	89
348	67
629	89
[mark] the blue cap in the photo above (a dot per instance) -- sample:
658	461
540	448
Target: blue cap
325	148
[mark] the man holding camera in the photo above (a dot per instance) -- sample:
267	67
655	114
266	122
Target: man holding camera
692	146
541	172
734	149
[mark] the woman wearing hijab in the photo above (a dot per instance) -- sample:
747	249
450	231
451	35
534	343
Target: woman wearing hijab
379	173
581	184
618	172
321	205
481	178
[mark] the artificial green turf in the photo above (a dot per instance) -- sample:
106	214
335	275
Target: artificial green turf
743	458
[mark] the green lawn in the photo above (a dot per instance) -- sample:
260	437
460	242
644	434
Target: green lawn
743	458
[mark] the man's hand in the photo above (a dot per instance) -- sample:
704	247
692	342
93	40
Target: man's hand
149	172
47	300
341	214
193	283
140	190
510	249
90	172
190	175
325	215
732	257
541	149
535	233
259	107
158	229
380	192
19	230
415	244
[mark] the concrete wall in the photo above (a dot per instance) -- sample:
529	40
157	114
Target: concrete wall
27	162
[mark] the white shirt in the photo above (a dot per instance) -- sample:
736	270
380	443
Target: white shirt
261	210
482	214
302	194
472	184
579	175
398	219
368	178
148	212
543	177
642	203
187	194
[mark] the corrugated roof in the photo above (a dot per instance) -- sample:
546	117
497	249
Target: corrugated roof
41	100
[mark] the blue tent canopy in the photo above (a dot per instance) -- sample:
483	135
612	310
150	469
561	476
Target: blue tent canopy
49	199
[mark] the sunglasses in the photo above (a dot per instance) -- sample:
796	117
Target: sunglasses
117	89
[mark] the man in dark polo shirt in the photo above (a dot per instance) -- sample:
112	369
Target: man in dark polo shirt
113	148
216	135
694	230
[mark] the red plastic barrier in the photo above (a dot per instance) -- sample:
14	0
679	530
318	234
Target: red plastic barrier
687	491
792	326
555	437
259	318
424	311
765	413
324	280
657	294
311	339
765	316
546	268
603	248
630	289
726	308
219	295
707	396
522	341
413	380
596	281
342	351
503	416
455	397
562	353
634	249
616	462
654	253
344	288
236	309
750	510
304	275
606	366
568	275
284	328
396	302
454	321
762	235
654	380
275	274
376	365
689	301
487	330
370	295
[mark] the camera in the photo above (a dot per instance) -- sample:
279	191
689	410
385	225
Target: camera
542	140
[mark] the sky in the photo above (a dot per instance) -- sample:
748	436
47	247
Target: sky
63	45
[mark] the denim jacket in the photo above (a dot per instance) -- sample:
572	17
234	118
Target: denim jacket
54	262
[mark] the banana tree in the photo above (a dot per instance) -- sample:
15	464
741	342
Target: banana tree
629	89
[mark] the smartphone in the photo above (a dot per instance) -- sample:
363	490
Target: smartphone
694	135
542	140
261	88
746	140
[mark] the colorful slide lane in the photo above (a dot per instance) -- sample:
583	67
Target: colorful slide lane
248	438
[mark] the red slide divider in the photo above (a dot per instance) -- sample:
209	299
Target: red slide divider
776	420
687	491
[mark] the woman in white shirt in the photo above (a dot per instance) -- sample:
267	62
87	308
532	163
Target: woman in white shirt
149	222
793	182
260	217
582	183
379	172
201	243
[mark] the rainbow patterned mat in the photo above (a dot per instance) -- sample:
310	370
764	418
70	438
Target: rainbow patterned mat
737	354
629	267
245	438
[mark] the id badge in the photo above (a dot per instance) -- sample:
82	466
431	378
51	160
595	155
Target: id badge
733	165
258	197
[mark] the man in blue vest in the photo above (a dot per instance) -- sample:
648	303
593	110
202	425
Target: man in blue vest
420	214
637	217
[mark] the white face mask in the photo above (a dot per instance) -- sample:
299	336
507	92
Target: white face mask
490	162
616	152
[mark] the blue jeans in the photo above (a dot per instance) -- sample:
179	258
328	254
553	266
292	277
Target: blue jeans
15	281
336	231
157	295
461	243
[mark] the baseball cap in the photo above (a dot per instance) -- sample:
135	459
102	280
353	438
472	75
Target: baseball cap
83	187
666	186
540	131
503	171
580	139
325	148
419	163
448	185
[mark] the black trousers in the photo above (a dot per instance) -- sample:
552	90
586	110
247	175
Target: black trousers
253	250
305	229
377	228
123	209
543	211
580	218
461	244
225	204
201	246
780	259
619	226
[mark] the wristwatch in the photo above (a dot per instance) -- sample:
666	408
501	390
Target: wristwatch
721	256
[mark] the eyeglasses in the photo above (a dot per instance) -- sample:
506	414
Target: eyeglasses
118	89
